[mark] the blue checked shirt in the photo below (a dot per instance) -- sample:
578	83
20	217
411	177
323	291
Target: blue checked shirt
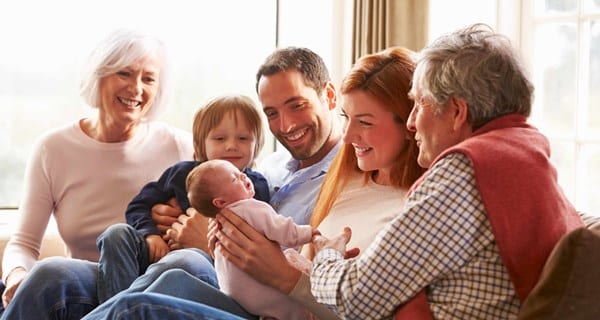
441	241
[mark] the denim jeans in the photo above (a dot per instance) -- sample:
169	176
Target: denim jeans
123	257
150	306
55	288
2	288
62	288
176	294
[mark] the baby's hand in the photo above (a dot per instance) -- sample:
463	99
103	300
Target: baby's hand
315	232
297	260
157	247
338	243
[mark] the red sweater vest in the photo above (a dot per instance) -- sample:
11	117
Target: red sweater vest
526	207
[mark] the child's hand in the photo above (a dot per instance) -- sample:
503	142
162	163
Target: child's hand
157	247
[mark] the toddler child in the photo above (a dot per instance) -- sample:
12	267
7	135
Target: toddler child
217	184
227	128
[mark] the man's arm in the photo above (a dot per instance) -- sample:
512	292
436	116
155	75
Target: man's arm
253	253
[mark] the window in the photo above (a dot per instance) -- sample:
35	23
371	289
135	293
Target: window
214	50
560	43
215	46
561	39
447	16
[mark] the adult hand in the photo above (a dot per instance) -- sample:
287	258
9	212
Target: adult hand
189	231
250	251
338	243
13	281
164	215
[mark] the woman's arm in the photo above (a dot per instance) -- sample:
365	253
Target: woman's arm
23	248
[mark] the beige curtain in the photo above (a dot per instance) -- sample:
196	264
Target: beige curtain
379	24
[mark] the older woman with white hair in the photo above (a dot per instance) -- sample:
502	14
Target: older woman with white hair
85	173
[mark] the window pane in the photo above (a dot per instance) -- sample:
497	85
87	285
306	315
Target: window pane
566	73
555	76
591	6
295	31
545	7
563	158
589	186
594	79
215	46
446	16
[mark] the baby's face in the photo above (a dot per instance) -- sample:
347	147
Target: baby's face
233	184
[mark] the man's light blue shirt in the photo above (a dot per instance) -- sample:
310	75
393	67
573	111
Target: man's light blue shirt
293	191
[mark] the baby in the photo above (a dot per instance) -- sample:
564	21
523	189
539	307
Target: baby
217	184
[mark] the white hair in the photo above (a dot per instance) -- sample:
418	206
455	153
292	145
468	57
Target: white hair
120	49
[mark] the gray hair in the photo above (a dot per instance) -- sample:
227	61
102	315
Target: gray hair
478	66
120	49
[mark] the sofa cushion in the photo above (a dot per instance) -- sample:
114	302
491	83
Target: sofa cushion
569	286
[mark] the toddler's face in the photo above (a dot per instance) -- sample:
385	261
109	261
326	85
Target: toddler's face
232	142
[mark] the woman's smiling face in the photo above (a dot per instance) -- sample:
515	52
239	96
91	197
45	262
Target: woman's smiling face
128	94
377	137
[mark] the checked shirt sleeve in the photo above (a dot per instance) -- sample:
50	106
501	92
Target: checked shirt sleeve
442	226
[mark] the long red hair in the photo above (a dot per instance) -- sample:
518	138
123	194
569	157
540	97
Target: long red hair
386	76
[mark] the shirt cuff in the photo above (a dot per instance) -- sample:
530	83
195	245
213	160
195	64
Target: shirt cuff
328	255
302	294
